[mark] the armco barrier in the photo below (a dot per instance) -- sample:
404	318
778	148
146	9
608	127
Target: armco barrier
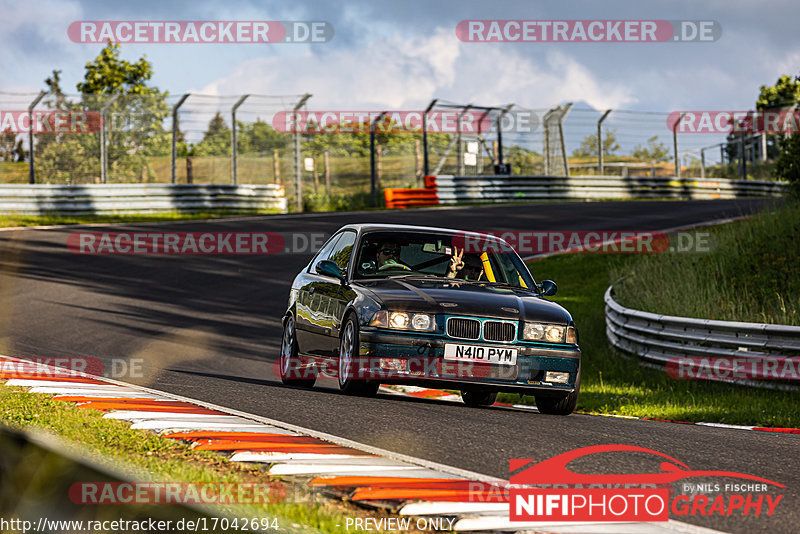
138	198
719	350
449	189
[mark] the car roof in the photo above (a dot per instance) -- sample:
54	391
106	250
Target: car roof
383	227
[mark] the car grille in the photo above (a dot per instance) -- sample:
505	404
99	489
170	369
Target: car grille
469	328
498	331
463	328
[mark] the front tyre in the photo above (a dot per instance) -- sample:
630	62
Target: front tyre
289	363
563	405
478	398
349	382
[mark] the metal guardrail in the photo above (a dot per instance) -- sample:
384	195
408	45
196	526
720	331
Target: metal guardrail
138	198
667	341
452	189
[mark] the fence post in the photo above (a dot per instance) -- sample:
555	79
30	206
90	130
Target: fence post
425	135
702	163
459	142
298	177
742	157
31	172
546	148
327	174
276	167
373	186
675	145
103	149
314	173
600	142
233	136
417	163
561	135
175	133
500	134
379	167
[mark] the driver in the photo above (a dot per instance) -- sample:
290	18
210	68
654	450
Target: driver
388	254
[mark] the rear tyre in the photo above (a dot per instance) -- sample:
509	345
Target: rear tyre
563	405
349	381
289	362
478	398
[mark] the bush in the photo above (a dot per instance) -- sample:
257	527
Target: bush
317	202
787	166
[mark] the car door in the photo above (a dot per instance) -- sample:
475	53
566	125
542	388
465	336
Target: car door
307	305
336	293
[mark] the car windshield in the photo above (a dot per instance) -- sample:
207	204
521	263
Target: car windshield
461	257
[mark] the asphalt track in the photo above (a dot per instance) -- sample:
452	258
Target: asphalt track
208	327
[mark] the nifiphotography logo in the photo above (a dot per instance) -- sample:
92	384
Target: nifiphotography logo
548	491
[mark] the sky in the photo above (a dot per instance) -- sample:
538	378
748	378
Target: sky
400	55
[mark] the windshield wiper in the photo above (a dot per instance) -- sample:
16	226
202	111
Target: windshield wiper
505	284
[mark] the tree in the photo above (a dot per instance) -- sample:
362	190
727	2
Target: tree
216	139
259	137
653	151
522	160
134	122
8	140
110	75
787	165
589	144
785	94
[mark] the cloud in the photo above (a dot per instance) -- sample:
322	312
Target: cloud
32	40
403	73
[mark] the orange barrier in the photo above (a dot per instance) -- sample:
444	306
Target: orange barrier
404	198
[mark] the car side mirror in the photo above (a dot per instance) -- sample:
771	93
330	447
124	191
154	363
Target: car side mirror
548	288
329	268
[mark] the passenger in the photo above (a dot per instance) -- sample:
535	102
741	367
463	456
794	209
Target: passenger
465	268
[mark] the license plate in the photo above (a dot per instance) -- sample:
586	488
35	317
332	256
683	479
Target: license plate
476	353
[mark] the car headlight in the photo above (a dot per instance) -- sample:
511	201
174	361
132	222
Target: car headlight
403	320
544	332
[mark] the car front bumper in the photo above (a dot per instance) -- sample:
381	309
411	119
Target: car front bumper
413	358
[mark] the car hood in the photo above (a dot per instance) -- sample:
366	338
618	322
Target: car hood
451	297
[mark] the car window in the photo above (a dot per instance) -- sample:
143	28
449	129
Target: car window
343	249
324	252
383	254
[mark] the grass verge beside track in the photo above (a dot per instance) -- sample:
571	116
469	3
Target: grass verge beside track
613	384
48	220
751	273
168	460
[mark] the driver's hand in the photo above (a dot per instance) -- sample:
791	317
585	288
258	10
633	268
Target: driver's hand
456	263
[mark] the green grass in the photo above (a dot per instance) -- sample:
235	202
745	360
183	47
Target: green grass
751	273
47	220
613	384
168	460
